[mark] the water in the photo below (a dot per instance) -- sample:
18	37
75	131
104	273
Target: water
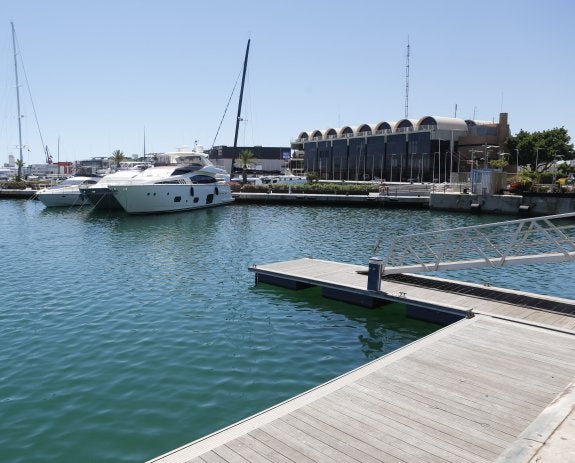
124	337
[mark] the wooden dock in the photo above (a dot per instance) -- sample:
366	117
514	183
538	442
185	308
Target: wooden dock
496	386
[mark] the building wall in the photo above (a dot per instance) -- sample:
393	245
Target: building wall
407	152
268	158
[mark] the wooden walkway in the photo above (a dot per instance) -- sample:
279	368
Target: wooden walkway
492	388
352	278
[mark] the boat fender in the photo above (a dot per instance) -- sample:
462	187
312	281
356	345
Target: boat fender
216	191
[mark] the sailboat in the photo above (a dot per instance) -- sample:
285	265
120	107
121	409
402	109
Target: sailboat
20	161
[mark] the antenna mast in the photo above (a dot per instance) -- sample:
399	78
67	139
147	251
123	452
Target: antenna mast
407	82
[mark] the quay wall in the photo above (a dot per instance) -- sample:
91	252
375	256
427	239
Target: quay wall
17	194
530	204
524	205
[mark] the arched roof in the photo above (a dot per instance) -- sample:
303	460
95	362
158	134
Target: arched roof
405	123
443	123
330	133
383	125
346	130
363	128
439	122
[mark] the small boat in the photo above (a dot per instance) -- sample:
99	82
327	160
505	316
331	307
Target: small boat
66	193
287	179
191	182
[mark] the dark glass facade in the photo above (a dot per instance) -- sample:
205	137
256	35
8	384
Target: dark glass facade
340	159
375	159
392	157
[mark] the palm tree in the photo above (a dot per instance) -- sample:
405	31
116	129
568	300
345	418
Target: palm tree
117	157
20	164
246	158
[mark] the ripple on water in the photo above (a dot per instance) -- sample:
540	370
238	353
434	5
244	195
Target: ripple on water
124	337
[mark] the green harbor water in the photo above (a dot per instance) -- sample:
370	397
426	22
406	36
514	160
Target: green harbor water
123	337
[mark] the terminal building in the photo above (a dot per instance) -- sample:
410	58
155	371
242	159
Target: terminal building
429	149
268	160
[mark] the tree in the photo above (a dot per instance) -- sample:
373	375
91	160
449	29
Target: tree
20	164
541	150
117	157
245	159
499	163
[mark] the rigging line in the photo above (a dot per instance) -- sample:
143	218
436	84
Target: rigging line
226	110
30	95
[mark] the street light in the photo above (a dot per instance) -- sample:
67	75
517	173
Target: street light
557	156
517	151
537	159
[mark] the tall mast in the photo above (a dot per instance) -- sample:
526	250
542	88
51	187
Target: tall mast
407	82
144	144
234	155
58	157
17	93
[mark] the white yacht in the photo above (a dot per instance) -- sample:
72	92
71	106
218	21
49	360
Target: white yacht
190	181
66	193
100	196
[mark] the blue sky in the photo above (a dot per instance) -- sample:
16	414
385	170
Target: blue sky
103	73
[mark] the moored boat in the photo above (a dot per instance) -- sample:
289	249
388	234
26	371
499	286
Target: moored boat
192	183
100	196
66	193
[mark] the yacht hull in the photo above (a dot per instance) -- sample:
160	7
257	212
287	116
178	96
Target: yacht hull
160	198
52	199
101	198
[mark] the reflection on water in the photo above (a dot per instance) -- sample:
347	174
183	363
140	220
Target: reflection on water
385	328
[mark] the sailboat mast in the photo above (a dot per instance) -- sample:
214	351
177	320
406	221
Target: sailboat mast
234	155
58	157
17	93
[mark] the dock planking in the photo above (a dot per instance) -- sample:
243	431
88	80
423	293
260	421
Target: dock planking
353	279
488	388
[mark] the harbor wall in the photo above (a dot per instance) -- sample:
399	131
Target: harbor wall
530	204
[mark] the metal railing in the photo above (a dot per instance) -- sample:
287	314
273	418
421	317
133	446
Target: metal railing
525	241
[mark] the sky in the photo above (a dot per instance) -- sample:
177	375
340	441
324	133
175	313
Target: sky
97	76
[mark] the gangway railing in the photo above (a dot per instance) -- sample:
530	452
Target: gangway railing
525	241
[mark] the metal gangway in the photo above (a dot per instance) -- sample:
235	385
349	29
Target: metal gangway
515	242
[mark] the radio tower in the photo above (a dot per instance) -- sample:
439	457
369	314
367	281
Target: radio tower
407	82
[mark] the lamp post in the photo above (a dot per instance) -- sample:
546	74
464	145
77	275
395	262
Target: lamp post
537	159
392	160
517	151
557	156
439	155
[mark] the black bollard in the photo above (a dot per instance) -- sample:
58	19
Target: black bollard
374	274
